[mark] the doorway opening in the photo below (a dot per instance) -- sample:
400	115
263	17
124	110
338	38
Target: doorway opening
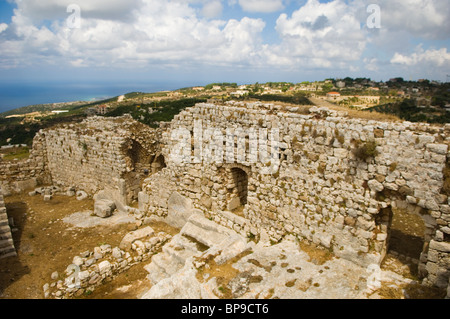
238	191
407	233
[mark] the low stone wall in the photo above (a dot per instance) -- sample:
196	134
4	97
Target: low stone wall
93	268
19	176
321	191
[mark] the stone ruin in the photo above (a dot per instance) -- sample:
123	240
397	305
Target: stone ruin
7	248
322	191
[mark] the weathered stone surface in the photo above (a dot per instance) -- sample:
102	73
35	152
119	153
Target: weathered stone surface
129	238
179	210
104	208
182	285
440	246
81	195
375	185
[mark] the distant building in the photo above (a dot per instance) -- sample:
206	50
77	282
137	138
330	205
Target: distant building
333	95
239	92
102	109
340	84
97	110
60	111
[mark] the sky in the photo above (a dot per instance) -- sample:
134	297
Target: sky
205	41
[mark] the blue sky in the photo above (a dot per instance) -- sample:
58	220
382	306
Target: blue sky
203	41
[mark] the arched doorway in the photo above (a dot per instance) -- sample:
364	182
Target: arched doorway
158	163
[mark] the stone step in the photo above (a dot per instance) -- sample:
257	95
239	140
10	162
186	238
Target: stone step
4	223
209	225
5	229
6	243
5	236
172	258
181	248
10	254
162	266
204	236
7	250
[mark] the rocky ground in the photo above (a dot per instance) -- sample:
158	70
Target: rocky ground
195	263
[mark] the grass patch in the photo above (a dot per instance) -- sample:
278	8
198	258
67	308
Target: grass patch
366	151
20	153
317	254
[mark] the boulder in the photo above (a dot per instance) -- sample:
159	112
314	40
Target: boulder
129	238
180	209
114	196
81	195
104	208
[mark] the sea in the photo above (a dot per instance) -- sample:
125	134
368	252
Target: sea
16	95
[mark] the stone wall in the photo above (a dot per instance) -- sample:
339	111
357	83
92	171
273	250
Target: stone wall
101	153
322	191
19	176
7	248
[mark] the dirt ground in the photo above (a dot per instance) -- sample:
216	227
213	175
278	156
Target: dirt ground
45	244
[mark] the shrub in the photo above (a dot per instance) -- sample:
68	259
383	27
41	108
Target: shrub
393	167
366	151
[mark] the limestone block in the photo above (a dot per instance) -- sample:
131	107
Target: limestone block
129	238
104	267
81	195
180	209
233	204
440	246
104	208
438	148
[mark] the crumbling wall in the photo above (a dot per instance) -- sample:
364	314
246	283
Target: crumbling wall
100	153
19	176
325	190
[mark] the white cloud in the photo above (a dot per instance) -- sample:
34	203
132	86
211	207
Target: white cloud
3	27
426	58
212	9
140	33
371	64
324	35
264	6
421	18
38	10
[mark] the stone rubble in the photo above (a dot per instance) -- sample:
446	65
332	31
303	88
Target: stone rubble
101	265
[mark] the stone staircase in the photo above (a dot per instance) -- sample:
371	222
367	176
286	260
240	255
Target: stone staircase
197	235
7	248
172	258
